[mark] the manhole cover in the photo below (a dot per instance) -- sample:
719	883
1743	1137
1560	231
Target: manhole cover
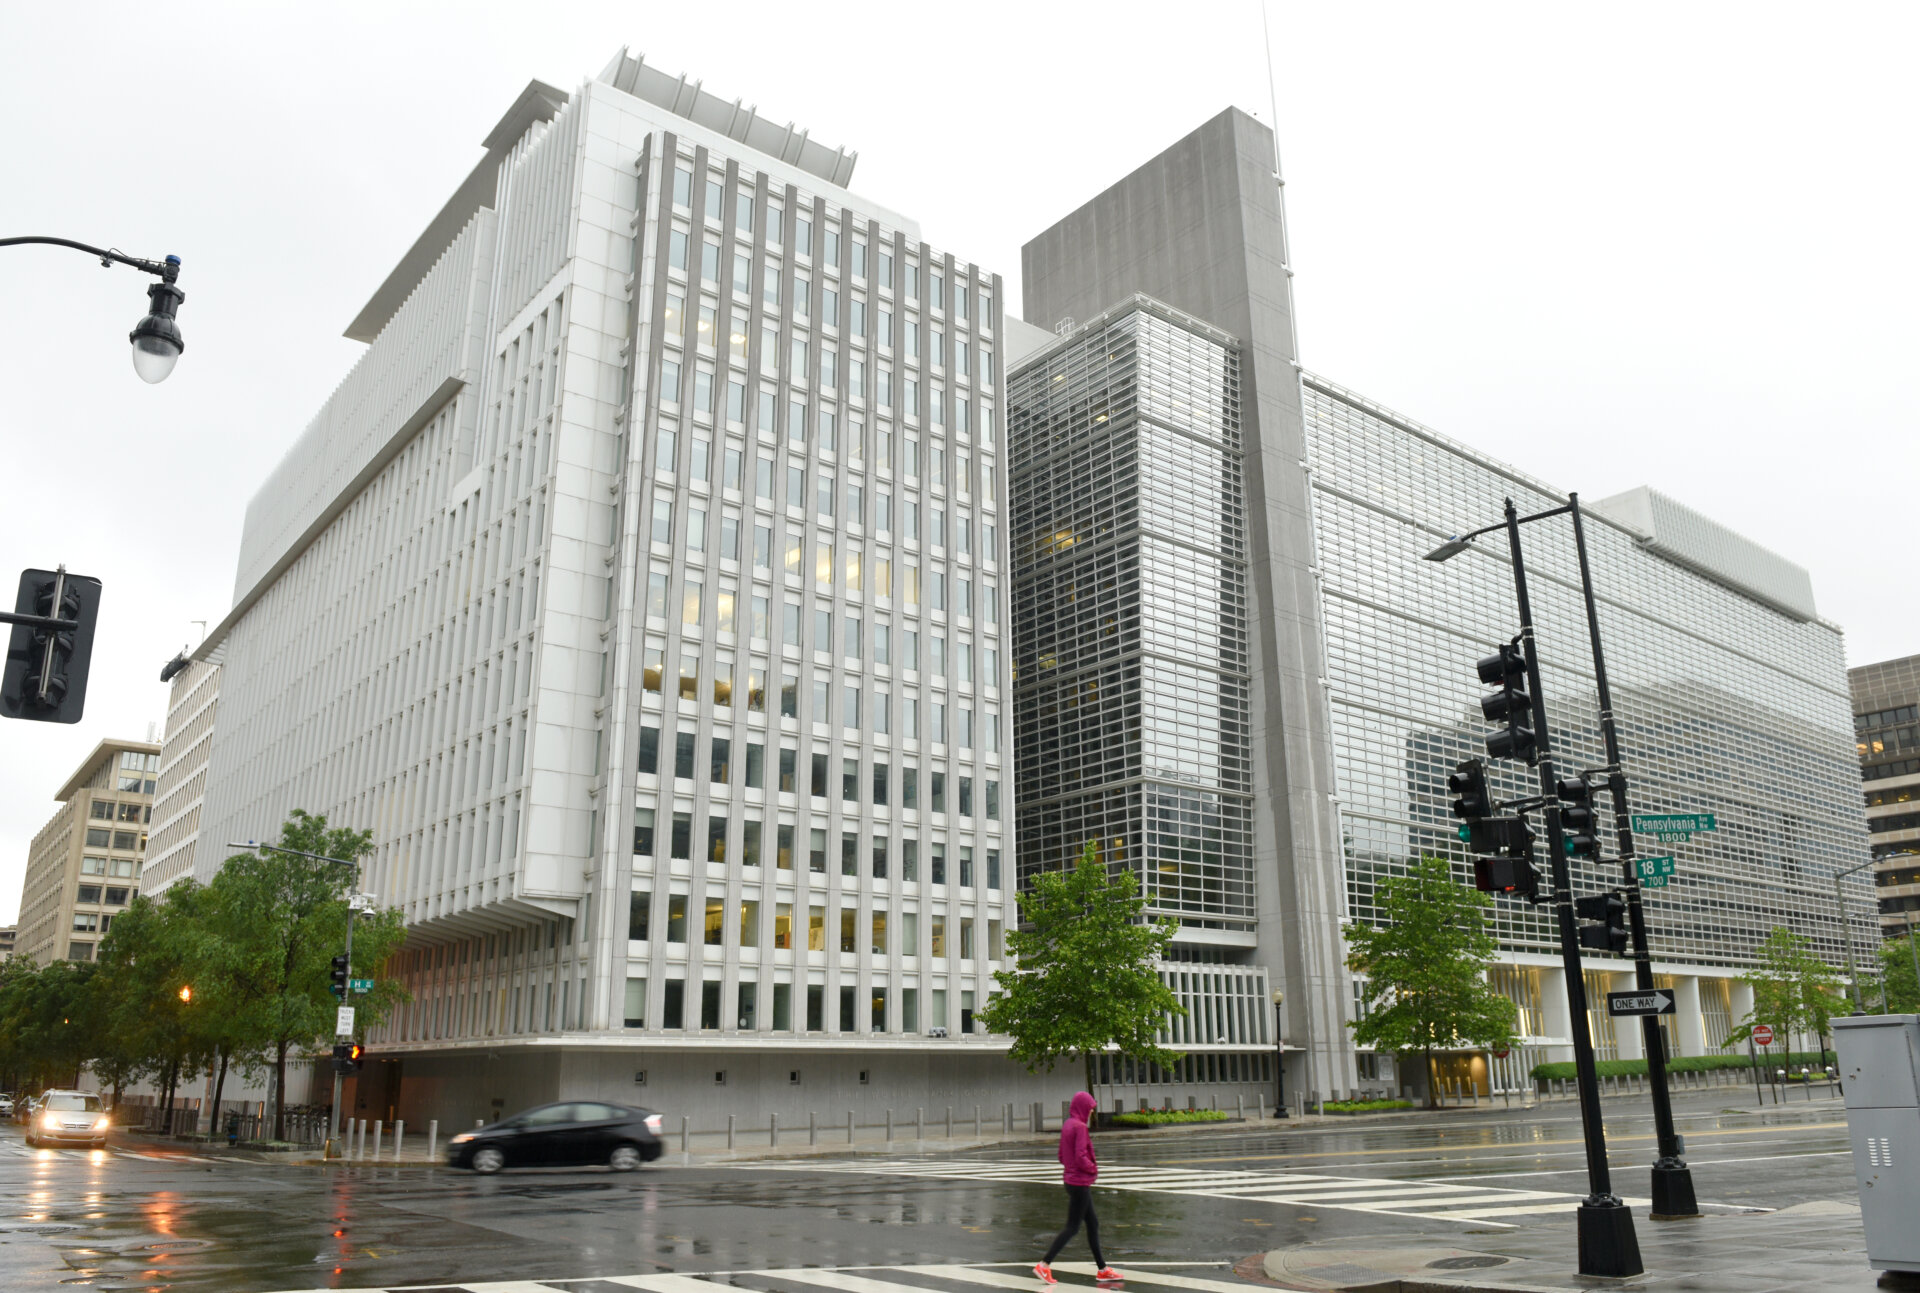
1466	1263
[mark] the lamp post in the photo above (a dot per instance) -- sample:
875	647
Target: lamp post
1846	930
157	343
1279	1060
1673	1195
1607	1245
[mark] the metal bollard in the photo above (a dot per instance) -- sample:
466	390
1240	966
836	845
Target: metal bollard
685	1135
1006	1121
919	1124
1240	1107
949	1122
850	1128
976	1122
433	1140
379	1125
773	1131
730	1131
813	1128
399	1134
889	1126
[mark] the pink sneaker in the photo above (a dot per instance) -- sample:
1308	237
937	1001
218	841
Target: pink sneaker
1045	1272
1107	1275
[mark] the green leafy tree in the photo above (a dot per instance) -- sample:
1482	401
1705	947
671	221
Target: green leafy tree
43	1022
149	1015
1896	966
278	919
1426	969
1083	976
1794	991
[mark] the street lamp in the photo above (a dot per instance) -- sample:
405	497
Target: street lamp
157	343
186	992
1279	1059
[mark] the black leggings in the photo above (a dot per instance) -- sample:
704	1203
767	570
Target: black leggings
1079	1208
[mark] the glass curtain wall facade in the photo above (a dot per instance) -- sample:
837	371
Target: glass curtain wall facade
1130	611
1727	704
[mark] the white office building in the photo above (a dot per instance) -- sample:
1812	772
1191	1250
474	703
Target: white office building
642	590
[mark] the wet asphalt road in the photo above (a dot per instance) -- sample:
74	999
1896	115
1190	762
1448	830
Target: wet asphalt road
117	1221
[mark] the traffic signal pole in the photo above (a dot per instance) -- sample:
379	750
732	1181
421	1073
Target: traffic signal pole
1673	1196
1607	1246
333	1132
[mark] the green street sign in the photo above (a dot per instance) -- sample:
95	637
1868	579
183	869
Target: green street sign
1681	824
360	985
1653	868
1653	882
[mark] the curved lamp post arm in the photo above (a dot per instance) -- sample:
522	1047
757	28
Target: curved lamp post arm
168	269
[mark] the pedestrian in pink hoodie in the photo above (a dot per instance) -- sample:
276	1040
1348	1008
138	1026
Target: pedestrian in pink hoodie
1078	1171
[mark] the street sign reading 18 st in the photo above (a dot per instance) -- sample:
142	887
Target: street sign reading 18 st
1653	872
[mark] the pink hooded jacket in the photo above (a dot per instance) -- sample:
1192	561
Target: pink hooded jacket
1077	1166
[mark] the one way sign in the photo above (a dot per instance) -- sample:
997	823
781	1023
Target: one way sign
1659	1002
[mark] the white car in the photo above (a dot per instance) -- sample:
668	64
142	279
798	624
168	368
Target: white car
67	1117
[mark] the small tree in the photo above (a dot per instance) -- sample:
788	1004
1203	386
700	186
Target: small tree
279	918
1793	990
1083	976
1426	968
1897	975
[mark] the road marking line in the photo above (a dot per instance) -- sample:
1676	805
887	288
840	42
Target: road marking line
853	1283
1135	1276
974	1275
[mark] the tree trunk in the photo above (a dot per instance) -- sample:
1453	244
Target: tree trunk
219	1087
280	1089
173	1072
1433	1079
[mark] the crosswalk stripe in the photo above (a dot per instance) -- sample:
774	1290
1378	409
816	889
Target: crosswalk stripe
652	1283
975	1275
849	1283
1135	1275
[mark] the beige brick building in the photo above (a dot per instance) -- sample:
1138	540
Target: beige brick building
84	866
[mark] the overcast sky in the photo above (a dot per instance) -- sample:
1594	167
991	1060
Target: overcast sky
1615	245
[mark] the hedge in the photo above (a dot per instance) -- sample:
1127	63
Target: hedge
1563	1070
1157	1117
1365	1106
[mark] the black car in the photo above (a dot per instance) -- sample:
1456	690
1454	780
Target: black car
573	1133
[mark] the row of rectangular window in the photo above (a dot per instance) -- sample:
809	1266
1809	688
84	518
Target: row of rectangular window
879	857
746	928
849	563
747	996
720	773
969	358
653	677
107	810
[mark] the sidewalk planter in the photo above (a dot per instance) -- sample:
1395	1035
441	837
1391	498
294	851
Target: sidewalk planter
1160	1119
1356	1108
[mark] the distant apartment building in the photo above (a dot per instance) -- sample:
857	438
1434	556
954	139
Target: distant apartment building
1886	730
7	935
84	866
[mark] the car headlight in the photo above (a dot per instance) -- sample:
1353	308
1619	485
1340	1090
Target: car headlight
462	1138
51	1122
102	1123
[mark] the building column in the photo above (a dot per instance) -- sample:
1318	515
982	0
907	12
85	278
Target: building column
1629	1034
1555	1019
1689	1024
1740	1000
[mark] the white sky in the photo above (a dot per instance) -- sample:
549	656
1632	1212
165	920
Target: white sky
1620	244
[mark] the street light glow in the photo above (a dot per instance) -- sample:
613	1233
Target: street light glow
186	992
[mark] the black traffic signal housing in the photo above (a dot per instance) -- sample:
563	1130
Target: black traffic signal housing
1608	912
1579	824
1510	707
337	978
1503	857
348	1057
46	669
1468	783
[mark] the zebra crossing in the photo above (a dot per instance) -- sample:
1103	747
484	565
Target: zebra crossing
1150	1277
21	1150
1433	1200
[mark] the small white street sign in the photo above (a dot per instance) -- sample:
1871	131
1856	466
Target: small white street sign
343	1022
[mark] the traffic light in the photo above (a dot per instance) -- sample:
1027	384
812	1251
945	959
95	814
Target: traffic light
337	978
1503	856
1578	824
1471	799
1608	911
46	670
356	1055
1511	707
348	1057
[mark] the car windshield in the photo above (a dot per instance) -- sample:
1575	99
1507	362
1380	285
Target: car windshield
70	1101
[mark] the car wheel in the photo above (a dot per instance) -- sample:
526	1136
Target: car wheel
624	1158
488	1160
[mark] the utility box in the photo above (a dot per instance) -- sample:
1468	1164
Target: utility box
1880	1066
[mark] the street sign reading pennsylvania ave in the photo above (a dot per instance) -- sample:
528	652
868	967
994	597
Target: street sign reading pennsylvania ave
1674	828
1656	1002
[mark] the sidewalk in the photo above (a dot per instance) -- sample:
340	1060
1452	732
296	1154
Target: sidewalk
1812	1246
